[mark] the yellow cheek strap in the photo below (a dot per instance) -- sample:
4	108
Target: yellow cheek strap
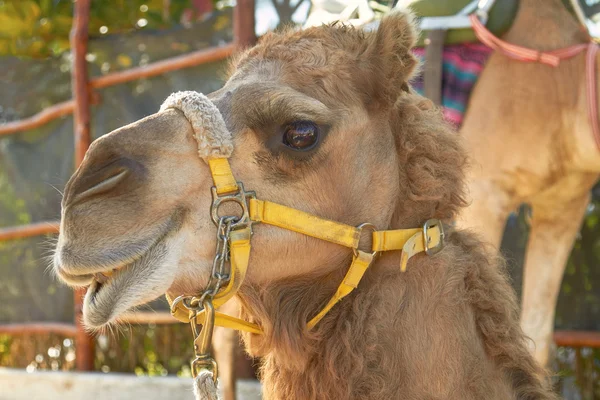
305	223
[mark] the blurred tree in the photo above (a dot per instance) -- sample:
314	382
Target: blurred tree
40	28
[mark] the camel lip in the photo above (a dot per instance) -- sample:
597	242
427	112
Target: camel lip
92	290
107	297
90	272
85	278
103	279
99	305
80	274
115	288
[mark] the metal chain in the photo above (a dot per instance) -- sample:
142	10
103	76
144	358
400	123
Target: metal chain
219	275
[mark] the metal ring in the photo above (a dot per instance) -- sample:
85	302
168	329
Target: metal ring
360	229
194	303
178	300
186	301
233	218
240	197
206	363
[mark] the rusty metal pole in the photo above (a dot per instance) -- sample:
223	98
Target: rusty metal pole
23	231
84	343
79	79
244	34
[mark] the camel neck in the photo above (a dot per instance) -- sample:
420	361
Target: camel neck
314	364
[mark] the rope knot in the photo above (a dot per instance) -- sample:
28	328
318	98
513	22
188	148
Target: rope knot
205	387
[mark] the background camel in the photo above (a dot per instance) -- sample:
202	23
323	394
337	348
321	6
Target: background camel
311	111
528	133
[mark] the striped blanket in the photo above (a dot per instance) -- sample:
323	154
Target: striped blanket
462	65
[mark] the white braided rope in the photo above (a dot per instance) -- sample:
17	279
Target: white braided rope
205	387
214	140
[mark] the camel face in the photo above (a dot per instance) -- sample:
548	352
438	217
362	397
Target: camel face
128	208
311	130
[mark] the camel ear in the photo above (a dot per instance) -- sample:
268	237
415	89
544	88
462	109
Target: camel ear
390	52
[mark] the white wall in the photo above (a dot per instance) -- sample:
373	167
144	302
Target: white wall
21	385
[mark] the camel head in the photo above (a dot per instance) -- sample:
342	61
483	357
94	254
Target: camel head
321	120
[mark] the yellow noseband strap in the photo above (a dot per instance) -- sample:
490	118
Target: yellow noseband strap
428	239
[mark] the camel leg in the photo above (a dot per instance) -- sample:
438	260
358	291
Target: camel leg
553	229
225	346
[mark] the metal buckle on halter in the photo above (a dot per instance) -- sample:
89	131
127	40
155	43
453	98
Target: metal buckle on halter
431	223
202	334
203	341
240	197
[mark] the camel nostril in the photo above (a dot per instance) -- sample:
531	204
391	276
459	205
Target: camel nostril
99	175
103	185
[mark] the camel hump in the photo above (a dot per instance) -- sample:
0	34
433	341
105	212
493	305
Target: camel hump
500	20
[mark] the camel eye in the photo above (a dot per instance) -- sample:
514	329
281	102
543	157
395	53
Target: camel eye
301	135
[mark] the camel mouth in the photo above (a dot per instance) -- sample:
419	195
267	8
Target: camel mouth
100	279
104	296
115	286
104	276
115	291
101	273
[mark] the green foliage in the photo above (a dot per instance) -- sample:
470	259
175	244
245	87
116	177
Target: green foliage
16	209
578	372
40	28
579	299
5	344
11	253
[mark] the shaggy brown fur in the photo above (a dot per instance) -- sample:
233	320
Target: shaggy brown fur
446	329
339	63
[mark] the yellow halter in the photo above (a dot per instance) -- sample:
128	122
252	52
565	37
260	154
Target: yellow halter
429	239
